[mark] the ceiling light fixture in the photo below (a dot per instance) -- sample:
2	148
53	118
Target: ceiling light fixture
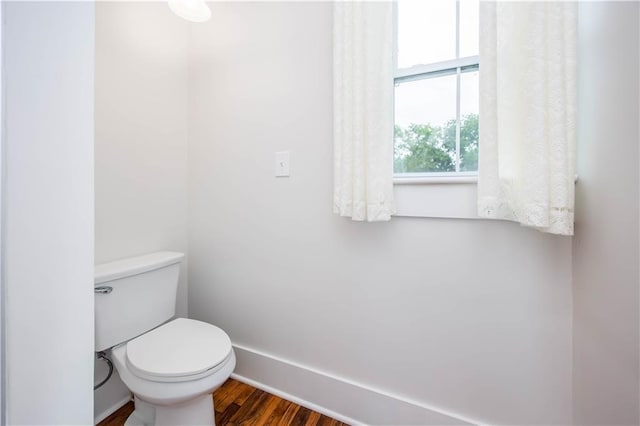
191	10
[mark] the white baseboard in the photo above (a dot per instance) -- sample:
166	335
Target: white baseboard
106	413
340	398
295	399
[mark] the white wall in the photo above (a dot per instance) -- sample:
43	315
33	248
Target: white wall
469	317
49	62
3	298
605	249
141	141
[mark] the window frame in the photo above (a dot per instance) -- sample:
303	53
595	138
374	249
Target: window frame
425	71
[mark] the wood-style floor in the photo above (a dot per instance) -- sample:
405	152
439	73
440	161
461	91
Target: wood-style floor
237	403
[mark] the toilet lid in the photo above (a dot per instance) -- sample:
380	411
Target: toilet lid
182	347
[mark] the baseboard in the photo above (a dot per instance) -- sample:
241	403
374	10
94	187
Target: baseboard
295	399
343	399
109	411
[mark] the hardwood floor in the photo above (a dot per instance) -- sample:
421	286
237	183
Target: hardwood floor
237	403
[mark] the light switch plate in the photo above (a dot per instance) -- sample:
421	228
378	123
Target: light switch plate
282	164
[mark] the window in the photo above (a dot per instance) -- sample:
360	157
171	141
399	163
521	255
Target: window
436	88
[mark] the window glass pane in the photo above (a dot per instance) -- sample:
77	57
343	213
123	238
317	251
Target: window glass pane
426	31
469	101
469	32
425	132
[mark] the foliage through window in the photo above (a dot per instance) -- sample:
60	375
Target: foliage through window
436	87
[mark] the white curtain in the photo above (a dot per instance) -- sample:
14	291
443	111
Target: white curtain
528	113
363	110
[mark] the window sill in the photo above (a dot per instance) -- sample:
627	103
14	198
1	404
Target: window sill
431	179
436	196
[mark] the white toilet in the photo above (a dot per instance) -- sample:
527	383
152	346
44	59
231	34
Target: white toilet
171	368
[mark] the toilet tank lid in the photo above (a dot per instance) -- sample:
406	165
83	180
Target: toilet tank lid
135	265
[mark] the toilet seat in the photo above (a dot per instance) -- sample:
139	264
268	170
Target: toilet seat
180	350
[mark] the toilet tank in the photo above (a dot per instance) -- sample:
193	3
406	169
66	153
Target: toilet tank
142	296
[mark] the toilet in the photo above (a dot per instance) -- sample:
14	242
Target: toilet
171	365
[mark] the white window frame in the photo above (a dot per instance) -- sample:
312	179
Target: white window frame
439	69
436	195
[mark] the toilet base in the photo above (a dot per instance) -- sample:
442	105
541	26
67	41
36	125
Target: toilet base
195	412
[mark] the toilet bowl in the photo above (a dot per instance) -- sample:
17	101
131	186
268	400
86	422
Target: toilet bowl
171	367
172	371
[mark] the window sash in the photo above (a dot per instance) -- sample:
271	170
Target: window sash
418	72
438	69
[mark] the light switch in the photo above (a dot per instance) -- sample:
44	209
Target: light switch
282	164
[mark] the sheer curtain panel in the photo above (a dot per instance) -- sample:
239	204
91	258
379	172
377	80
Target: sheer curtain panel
363	110
528	113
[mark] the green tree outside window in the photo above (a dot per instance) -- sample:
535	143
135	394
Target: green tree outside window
424	148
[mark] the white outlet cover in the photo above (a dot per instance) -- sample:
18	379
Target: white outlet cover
282	164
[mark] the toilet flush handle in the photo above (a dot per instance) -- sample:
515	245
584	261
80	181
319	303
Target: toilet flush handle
103	289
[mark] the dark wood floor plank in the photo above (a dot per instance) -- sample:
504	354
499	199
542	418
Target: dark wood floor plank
313	419
301	417
290	414
222	390
267	409
244	391
327	421
249	410
324	421
238	404
222	399
226	388
119	417
225	417
278	413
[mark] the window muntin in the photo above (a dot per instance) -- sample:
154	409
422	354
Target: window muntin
436	88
